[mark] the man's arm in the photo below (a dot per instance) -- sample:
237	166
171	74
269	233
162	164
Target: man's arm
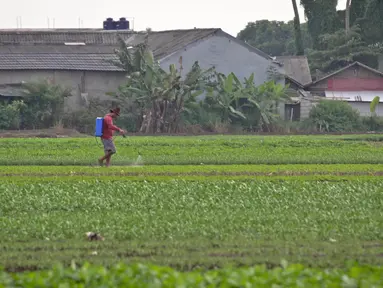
109	122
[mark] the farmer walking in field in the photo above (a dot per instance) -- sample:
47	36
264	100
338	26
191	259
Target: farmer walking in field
107	136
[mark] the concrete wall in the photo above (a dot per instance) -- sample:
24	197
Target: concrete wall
226	55
96	84
306	106
364	108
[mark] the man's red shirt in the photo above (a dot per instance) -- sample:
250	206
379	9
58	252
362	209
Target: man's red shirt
108	127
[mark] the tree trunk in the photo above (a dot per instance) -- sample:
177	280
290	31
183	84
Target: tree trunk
297	31
347	20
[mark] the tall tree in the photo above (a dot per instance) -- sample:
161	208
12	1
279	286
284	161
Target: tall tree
269	36
357	8
348	3
355	13
322	17
338	50
297	30
372	22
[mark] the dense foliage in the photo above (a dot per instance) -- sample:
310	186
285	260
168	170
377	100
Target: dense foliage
42	107
274	37
328	41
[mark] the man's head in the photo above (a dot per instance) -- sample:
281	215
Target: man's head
115	112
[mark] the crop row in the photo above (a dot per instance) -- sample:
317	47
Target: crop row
195	150
183	210
187	223
139	275
194	170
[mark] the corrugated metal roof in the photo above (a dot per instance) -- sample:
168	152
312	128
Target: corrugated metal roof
46	61
45	49
56	49
296	67
60	36
164	43
354	96
168	38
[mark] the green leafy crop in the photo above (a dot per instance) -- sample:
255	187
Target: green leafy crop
197	150
139	275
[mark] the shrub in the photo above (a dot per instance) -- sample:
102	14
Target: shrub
373	123
44	104
335	116
10	117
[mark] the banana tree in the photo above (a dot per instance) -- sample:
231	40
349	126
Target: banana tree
184	92
263	102
226	96
374	103
130	58
160	94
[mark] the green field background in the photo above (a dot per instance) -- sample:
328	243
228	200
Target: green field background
193	203
354	149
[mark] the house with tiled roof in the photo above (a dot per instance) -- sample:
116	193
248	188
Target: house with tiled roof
79	58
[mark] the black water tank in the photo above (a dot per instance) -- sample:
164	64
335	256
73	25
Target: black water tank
108	24
116	24
123	25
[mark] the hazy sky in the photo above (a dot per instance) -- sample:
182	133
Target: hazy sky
158	15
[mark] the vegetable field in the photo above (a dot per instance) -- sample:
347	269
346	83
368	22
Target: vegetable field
193	204
206	150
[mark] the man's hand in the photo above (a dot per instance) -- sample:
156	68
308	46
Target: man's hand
122	132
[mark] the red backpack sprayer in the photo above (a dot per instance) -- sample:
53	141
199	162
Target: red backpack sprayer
99	132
